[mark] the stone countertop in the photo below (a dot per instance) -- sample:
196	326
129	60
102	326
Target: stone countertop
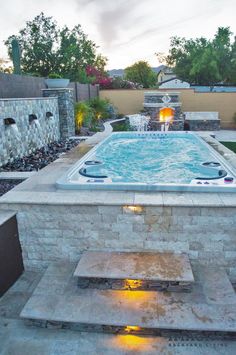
41	188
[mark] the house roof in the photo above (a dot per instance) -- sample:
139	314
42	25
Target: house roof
165	69
166	81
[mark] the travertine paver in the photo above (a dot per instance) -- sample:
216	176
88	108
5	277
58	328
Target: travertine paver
193	311
18	339
139	265
5	216
21	175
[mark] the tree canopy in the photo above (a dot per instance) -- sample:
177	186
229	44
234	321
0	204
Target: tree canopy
141	73
204	62
46	48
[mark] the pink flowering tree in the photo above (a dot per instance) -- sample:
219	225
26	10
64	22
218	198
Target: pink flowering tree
98	77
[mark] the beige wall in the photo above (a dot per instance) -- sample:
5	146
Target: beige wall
131	101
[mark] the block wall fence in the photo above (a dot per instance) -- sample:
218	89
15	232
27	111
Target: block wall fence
131	102
25	86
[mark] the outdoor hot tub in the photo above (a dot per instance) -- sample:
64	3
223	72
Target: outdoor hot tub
151	161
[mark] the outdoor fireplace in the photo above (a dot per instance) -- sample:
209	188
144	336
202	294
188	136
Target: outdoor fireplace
164	110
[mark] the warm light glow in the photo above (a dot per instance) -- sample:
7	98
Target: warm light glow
138	344
133	297
132	284
133	208
131	328
166	114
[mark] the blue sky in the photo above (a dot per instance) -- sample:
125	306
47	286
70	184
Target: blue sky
125	30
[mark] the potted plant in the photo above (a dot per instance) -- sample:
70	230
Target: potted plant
56	81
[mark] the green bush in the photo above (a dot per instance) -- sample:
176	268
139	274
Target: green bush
54	76
101	108
89	113
234	117
84	115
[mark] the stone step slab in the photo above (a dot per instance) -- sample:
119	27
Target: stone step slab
136	271
59	301
17	338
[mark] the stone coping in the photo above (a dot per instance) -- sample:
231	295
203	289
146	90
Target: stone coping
30	98
15	175
5	216
157	93
58	89
202	119
41	188
159	104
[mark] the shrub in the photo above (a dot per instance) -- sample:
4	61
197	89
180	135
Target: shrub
84	115
234	117
120	116
100	107
97	76
118	83
54	76
89	113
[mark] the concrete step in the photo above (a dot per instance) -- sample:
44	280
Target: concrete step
58	302
134	270
18	339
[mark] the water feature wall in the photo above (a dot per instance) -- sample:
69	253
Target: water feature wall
155	101
25	125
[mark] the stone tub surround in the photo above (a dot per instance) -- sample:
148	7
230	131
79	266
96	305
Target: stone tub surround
59	224
24	137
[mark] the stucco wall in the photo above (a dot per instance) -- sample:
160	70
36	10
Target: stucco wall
131	101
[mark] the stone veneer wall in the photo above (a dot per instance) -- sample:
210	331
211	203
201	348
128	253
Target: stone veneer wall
66	109
152	105
23	137
203	125
52	232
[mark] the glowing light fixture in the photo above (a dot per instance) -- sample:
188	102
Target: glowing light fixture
132	284
131	328
133	208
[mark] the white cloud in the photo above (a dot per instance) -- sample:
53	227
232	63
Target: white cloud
125	30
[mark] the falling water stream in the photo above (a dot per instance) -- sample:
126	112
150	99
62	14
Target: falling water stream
15	131
39	128
139	122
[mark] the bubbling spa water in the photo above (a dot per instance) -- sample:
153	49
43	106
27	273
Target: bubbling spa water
173	161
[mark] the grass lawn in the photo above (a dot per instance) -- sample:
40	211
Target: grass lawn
230	145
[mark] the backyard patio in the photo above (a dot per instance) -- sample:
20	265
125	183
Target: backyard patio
118	271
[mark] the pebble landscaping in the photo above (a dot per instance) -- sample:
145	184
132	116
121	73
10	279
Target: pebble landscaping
7	185
36	161
41	157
